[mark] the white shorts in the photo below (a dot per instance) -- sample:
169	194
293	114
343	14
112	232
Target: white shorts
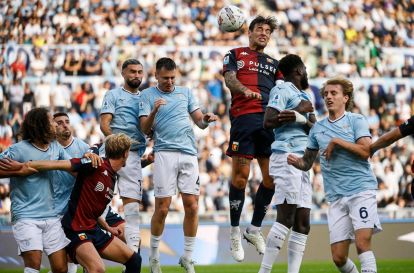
44	235
174	170
351	213
291	184
130	177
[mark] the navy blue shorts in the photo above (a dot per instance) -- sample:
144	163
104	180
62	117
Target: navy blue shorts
113	219
248	138
99	238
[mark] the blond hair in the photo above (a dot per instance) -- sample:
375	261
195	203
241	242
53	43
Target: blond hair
117	145
347	90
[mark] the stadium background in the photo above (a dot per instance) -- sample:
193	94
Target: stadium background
65	54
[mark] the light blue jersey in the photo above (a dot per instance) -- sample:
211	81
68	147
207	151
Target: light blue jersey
345	174
290	137
173	130
124	107
31	196
63	182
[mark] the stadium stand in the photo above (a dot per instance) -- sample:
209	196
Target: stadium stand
64	55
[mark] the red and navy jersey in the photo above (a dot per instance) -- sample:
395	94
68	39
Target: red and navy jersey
93	190
257	71
407	128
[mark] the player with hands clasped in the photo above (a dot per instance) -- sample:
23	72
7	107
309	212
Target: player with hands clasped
290	115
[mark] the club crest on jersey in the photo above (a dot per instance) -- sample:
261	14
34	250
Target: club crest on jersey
240	64
269	60
235	146
99	186
82	236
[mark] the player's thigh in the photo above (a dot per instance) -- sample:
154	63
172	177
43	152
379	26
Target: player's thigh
54	238
339	223
241	136
87	256
188	179
340	251
58	261
363	239
287	179
28	235
190	202
117	251
165	173
130	178
363	211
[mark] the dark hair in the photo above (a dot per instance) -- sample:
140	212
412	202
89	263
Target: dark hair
60	114
129	62
36	126
165	62
260	20
289	63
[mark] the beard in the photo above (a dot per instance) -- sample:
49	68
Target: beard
134	83
304	83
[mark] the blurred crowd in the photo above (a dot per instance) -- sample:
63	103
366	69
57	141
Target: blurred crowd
64	55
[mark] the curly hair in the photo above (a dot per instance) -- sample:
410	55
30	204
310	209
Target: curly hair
289	63
36	126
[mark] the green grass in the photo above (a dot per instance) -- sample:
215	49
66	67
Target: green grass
394	266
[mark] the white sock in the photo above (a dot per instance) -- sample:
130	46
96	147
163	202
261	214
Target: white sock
368	262
274	243
72	268
188	247
30	270
252	229
348	267
155	241
132	234
235	231
296	248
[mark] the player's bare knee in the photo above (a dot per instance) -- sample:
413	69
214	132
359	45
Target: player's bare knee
339	259
32	263
96	268
362	246
191	210
60	269
302	228
162	212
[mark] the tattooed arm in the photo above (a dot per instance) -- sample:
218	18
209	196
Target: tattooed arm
237	88
303	163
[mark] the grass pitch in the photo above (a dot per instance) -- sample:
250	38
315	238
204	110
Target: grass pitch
384	266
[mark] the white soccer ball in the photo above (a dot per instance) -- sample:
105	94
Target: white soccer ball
230	18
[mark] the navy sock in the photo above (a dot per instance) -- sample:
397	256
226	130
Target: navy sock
236	198
262	200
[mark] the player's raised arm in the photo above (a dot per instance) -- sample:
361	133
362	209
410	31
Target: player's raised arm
386	140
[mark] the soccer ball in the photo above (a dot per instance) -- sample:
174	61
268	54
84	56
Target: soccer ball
230	18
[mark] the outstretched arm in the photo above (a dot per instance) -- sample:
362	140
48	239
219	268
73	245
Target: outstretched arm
386	140
48	165
303	163
10	168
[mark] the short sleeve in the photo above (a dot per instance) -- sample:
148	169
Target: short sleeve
192	102
278	99
361	128
108	104
144	104
312	142
229	61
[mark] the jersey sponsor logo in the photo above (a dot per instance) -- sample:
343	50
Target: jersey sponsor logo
82	236
226	60
240	64
99	186
235	146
